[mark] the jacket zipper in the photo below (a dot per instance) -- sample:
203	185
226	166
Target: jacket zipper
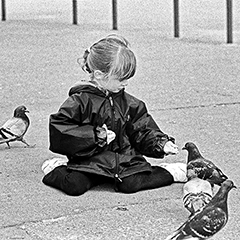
116	169
112	117
116	176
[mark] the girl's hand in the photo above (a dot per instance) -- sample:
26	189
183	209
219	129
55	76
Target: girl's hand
110	134
104	135
170	148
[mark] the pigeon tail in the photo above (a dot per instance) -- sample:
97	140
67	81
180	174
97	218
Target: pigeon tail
218	177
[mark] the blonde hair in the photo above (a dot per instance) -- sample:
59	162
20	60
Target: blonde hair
112	56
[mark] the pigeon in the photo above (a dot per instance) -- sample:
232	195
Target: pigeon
198	166
197	193
15	128
208	221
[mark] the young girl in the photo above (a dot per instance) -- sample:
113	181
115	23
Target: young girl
104	131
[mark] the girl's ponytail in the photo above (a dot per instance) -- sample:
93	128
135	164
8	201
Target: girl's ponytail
83	61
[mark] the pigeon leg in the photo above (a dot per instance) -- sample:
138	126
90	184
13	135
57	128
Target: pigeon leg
30	146
8	147
5	141
22	140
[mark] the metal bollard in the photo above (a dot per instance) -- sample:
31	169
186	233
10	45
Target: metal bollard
229	22
3	10
74	3
114	13
176	17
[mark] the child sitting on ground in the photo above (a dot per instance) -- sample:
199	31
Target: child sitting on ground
106	132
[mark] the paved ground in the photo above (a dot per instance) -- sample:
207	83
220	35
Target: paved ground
191	87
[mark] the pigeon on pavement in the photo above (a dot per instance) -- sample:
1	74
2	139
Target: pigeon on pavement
210	220
198	166
15	128
197	193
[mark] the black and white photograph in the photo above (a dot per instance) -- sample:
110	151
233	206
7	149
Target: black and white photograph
119	120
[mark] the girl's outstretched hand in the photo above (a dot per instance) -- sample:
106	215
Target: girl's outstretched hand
170	148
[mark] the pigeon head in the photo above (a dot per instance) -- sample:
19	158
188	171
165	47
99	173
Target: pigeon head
188	146
193	152
223	191
20	111
228	185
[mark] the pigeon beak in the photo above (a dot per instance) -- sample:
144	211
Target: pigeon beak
184	148
234	186
26	111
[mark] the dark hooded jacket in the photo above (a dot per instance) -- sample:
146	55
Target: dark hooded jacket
73	132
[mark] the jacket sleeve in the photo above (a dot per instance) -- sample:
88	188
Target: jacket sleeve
145	135
70	129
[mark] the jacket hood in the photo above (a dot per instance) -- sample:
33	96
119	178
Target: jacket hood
84	86
90	87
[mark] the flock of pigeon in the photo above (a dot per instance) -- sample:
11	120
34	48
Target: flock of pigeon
209	214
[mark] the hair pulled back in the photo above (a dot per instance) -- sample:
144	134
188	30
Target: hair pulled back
112	56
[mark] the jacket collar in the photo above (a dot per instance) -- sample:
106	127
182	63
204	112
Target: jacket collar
91	87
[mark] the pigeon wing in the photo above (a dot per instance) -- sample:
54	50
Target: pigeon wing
206	169
15	127
199	168
207	223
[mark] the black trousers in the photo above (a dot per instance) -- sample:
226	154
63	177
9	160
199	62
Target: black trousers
76	183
